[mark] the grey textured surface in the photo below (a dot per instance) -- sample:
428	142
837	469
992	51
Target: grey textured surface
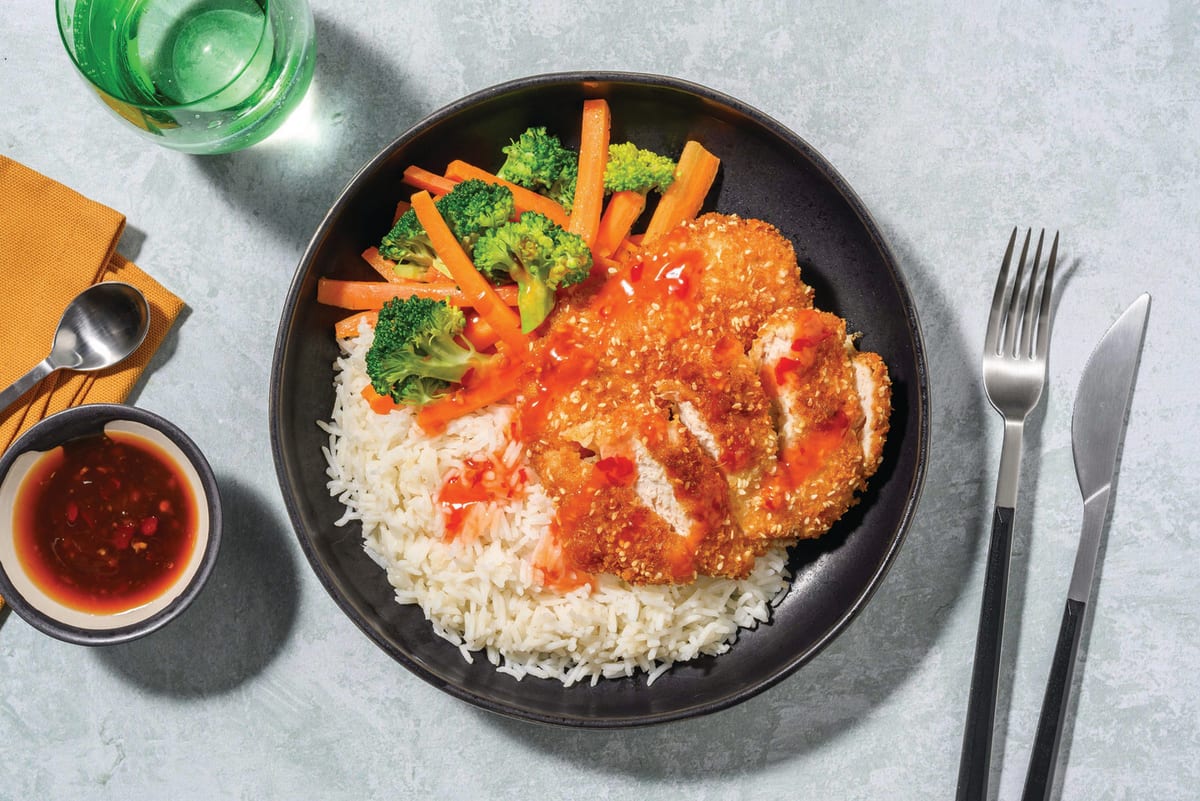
953	125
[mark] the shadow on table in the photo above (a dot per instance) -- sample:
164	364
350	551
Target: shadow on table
240	620
162	354
879	651
355	106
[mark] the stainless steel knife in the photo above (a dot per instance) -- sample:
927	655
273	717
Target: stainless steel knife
1097	429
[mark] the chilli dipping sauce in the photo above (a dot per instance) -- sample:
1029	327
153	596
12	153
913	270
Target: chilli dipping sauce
105	523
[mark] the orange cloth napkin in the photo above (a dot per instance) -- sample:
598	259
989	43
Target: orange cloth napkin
54	243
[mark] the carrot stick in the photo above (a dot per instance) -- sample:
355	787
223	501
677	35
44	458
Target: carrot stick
524	199
380	404
385	268
479	333
401	207
482	296
494	385
348	326
694	176
373	294
593	157
626	249
429	181
622	212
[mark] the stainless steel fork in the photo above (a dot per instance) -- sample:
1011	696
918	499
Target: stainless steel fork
1014	373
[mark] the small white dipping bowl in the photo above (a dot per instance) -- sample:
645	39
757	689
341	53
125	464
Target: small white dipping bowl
48	615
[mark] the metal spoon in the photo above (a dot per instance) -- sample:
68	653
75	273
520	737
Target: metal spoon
103	324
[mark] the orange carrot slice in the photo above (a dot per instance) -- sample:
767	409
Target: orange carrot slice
626	250
483	296
479	333
429	181
380	404
487	388
387	269
593	157
348	326
523	199
622	212
694	176
373	294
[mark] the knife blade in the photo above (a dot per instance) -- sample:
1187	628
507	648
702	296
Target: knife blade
1097	429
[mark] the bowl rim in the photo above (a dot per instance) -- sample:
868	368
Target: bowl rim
100	414
920	380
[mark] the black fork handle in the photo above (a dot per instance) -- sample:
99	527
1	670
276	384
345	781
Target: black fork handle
975	764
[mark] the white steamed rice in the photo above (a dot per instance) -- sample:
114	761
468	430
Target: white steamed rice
482	595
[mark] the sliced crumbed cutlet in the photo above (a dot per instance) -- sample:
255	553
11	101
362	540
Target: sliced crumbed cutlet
875	389
752	271
694	408
604	527
807	363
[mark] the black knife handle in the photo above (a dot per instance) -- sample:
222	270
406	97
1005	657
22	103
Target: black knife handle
981	704
1044	758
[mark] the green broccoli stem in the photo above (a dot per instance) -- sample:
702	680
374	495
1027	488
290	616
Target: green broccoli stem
535	300
445	359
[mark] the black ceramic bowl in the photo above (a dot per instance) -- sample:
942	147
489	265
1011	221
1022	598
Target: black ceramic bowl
767	172
43	610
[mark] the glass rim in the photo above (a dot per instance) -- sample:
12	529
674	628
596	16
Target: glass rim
62	34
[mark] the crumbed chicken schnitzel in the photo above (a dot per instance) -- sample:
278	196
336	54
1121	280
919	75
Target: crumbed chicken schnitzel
694	408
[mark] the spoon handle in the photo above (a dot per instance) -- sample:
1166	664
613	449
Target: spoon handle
25	382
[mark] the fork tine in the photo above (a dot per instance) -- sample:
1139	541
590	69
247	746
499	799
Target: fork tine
991	340
1013	322
1028	321
1045	318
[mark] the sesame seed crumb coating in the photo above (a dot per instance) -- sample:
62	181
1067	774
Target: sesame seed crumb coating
718	413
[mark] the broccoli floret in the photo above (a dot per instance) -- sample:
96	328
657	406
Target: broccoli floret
408	245
416	356
470	208
539	256
418	390
630	168
474	206
537	160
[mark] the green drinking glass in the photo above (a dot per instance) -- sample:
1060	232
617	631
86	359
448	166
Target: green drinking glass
201	76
